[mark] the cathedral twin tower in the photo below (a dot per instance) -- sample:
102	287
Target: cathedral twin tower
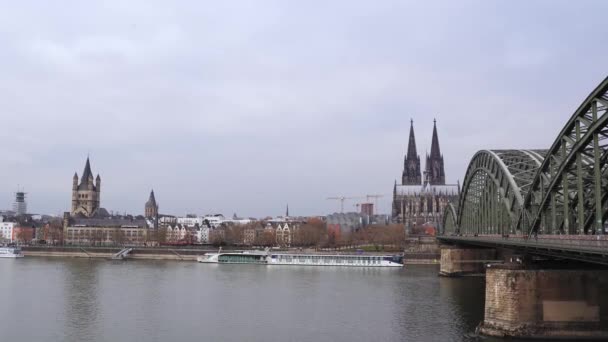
434	173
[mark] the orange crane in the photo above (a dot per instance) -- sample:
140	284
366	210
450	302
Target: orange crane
341	199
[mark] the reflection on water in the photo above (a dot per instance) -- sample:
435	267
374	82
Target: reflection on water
81	302
99	300
465	296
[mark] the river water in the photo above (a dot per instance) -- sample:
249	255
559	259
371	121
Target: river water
56	299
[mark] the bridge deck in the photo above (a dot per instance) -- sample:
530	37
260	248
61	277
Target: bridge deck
587	248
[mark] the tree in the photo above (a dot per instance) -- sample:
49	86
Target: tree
266	238
55	228
312	233
161	235
234	234
118	236
24	234
217	237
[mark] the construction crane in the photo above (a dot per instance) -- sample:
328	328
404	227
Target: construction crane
341	199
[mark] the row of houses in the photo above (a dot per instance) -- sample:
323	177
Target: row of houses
139	231
252	233
25	229
170	230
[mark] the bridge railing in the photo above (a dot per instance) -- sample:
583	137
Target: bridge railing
596	242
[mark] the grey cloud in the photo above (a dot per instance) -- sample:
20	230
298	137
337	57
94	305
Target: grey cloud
244	106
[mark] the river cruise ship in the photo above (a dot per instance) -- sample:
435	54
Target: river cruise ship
264	258
10	252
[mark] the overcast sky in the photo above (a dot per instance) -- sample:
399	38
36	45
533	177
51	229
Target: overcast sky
244	106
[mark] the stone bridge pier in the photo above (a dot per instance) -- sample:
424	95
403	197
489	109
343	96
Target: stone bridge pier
532	302
459	261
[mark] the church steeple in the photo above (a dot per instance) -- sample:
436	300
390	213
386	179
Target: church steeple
86	181
151	208
411	164
86	194
435	152
434	162
411	146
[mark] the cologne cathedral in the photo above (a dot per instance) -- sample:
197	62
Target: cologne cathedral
421	198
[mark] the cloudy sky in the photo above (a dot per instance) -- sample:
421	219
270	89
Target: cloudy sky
244	106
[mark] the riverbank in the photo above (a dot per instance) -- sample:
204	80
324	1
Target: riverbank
178	254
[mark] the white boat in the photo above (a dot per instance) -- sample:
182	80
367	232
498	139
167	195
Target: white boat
266	258
247	257
10	252
336	260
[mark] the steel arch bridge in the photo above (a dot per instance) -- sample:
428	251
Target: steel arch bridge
559	191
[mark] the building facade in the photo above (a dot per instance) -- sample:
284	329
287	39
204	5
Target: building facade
6	231
86	196
284	234
105	231
420	201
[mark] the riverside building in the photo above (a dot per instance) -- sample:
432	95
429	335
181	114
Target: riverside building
90	224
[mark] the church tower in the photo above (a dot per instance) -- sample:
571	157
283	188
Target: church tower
151	206
435	173
411	164
86	196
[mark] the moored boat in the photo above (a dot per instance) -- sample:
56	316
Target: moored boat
266	258
10	252
336	260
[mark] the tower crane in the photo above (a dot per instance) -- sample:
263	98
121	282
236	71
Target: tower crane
341	199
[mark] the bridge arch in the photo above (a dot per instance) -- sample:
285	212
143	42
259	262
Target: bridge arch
563	190
494	189
569	194
449	225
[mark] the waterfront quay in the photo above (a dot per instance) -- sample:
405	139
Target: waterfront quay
190	253
149	253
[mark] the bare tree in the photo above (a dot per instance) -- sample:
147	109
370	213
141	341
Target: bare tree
217	237
266	238
161	235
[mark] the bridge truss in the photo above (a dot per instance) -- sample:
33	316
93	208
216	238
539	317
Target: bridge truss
562	190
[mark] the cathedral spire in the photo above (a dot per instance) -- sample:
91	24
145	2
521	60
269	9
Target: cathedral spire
287	211
411	147
434	162
411	164
435	151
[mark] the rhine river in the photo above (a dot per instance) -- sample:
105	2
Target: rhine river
58	299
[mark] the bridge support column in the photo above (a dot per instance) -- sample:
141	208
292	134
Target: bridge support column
456	261
545	303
